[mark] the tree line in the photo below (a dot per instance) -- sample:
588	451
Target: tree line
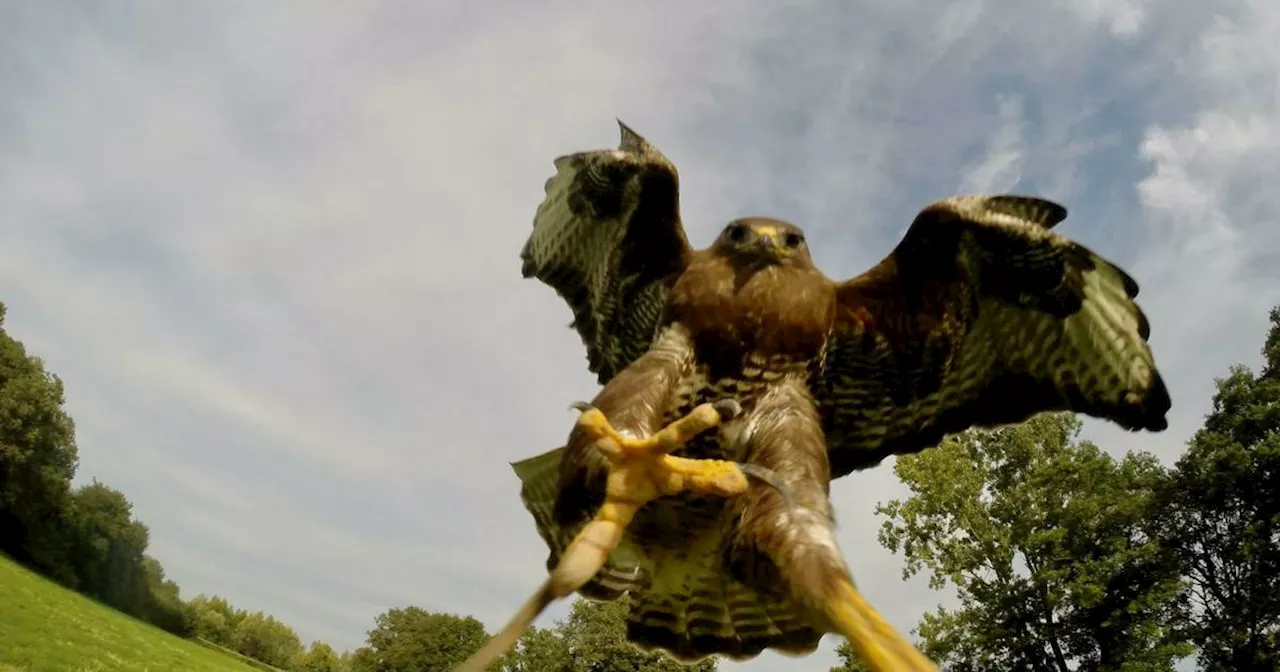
1063	556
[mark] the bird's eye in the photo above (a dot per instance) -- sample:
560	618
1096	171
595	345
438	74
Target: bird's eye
793	240
737	233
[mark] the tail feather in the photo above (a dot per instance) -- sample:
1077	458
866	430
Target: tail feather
696	608
684	601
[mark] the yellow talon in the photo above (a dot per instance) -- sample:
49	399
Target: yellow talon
871	637
640	470
669	438
667	474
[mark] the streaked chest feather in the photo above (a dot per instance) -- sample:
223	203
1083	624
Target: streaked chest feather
734	314
748	384
673	520
750	331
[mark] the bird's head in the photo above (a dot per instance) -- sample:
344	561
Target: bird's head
759	241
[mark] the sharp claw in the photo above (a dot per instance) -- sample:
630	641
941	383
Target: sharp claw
581	406
768	476
728	409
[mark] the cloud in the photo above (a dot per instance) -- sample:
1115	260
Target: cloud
1001	168
273	255
1121	17
1208	268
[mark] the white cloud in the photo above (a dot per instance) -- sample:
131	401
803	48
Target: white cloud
1000	168
1210	273
274	255
1122	17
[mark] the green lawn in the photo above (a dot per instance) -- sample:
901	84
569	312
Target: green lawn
47	628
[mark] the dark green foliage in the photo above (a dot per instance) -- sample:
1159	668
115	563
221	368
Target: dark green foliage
539	649
591	639
409	639
1049	543
848	661
38	459
595	633
255	635
1222	518
263	638
165	609
320	657
107	547
211	618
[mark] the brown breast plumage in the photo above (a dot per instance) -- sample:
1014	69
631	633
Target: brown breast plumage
752	328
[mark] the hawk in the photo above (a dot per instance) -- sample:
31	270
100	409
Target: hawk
739	381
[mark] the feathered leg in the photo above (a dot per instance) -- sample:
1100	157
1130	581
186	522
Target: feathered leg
788	440
639	470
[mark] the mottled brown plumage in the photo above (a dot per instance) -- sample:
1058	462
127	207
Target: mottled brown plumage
980	316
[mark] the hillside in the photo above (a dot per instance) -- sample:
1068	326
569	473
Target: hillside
47	628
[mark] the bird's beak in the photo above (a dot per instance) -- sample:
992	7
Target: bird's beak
769	240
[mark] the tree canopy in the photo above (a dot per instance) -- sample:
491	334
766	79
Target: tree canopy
407	639
1221	516
38	459
1047	540
591	639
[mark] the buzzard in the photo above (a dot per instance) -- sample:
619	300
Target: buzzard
738	381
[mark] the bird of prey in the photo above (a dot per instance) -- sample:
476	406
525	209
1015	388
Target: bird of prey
739	381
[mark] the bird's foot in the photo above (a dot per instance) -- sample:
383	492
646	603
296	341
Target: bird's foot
641	469
876	642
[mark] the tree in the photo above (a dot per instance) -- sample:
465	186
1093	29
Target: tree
165	608
538	650
38	459
410	639
212	618
107	547
592	639
1222	519
1048	542
262	637
849	661
320	657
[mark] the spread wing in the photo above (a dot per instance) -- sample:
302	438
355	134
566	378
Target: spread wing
608	238
982	315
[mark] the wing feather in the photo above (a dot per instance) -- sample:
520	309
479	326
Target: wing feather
608	239
982	316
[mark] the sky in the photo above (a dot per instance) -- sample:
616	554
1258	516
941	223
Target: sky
272	249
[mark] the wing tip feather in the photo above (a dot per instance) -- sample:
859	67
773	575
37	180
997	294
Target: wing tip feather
1144	325
1034	209
1042	211
1155	404
528	265
630	140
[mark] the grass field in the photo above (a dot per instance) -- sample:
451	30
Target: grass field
47	628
